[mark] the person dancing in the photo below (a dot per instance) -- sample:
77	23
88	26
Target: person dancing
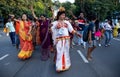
60	31
25	38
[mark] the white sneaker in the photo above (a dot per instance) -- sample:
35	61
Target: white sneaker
99	45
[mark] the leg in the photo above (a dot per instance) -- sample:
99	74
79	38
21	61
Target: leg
59	55
89	52
13	37
99	41
79	39
110	37
10	34
107	37
17	41
92	46
67	55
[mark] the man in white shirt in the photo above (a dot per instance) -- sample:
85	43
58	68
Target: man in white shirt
11	28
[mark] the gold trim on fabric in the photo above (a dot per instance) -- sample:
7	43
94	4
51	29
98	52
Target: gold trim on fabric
63	38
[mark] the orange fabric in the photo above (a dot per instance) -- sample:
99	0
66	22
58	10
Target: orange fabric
63	62
63	37
17	27
25	41
63	59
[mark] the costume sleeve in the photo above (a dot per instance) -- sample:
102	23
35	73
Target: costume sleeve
53	26
53	29
70	28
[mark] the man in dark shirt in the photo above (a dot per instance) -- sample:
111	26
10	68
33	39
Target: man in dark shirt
91	37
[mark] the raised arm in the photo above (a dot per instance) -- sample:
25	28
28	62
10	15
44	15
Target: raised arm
53	17
33	13
72	15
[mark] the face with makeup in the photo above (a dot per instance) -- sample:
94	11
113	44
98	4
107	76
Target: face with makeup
62	16
24	17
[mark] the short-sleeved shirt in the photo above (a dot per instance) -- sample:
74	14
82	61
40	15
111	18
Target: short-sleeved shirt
81	22
10	26
92	29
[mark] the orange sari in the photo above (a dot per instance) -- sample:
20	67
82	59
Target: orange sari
25	41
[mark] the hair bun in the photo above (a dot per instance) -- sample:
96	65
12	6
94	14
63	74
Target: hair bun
61	9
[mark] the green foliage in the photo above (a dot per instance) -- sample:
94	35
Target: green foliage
102	8
18	7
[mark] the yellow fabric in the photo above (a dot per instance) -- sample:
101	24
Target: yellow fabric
22	33
6	30
115	31
24	54
26	40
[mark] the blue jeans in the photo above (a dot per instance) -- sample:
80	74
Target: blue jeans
12	37
80	40
17	40
108	36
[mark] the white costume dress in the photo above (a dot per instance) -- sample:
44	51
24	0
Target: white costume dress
62	41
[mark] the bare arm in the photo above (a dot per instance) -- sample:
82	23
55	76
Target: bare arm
16	20
33	13
30	29
52	10
89	36
72	15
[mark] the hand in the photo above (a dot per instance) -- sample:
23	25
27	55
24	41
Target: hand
79	35
90	41
52	10
80	28
31	8
75	29
70	12
29	33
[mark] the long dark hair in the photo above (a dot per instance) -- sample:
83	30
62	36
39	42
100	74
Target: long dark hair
110	22
60	13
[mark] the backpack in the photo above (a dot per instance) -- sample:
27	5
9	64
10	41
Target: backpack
85	34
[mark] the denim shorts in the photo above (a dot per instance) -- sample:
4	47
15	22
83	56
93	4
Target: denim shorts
92	44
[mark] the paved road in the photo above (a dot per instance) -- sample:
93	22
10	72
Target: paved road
106	62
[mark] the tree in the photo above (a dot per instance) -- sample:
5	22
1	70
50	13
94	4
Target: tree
18	7
102	8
